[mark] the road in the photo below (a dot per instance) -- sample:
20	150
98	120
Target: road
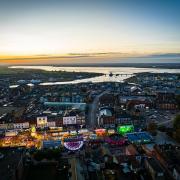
92	118
73	169
167	122
76	169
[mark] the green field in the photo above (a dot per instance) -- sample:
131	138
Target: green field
27	74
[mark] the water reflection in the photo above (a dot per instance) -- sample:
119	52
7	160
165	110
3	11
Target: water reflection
119	73
104	70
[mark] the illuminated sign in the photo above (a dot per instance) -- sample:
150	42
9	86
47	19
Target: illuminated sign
125	129
69	120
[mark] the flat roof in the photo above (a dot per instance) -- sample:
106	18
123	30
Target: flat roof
63	103
139	136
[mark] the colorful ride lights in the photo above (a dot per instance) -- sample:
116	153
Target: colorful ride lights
115	139
73	146
100	132
125	129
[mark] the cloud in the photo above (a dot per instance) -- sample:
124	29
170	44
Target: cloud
80	57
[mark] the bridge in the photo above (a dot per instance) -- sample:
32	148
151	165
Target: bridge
121	74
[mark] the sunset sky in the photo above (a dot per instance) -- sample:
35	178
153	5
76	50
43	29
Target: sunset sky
44	31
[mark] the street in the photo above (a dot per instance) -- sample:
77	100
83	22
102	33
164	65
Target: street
92	119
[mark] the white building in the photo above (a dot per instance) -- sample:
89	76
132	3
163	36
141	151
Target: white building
11	133
69	120
22	125
51	124
42	122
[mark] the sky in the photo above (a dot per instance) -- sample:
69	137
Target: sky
45	31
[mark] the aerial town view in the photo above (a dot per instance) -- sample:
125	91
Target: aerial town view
89	90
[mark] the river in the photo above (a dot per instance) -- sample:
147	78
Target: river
119	73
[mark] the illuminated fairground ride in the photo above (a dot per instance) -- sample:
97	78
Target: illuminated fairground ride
73	144
100	132
116	139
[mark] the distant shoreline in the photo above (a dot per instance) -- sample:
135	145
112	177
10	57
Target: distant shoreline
135	65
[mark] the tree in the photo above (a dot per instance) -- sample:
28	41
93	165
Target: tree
177	135
176	123
178	100
176	126
152	127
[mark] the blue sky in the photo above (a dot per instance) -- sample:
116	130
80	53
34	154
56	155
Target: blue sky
56	27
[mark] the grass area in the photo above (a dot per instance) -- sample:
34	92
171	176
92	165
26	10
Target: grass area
28	74
6	70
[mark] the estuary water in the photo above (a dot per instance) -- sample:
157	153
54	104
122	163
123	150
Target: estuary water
111	74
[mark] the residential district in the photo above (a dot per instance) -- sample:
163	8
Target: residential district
104	131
